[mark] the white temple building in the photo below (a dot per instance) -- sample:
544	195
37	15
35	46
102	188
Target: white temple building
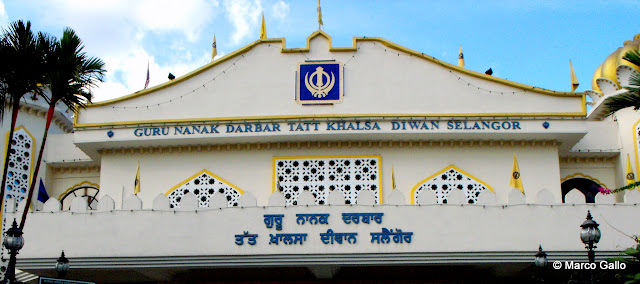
365	162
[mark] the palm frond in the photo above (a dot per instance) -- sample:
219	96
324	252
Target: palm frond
621	101
74	73
22	62
632	56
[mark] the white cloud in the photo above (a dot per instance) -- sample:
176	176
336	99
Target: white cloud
280	10
4	18
115	30
244	15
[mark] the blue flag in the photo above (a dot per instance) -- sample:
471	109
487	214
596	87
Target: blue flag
42	193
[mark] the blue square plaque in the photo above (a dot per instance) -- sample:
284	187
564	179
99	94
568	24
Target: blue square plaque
319	83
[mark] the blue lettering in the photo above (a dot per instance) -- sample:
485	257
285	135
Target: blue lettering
450	125
516	125
138	132
435	125
177	129
395	125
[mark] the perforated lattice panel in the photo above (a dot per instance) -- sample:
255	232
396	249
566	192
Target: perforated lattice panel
19	169
204	186
18	177
452	179
320	176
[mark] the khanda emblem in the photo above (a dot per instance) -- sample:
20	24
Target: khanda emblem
319	87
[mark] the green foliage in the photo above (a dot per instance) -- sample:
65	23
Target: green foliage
630	98
631	257
70	72
22	69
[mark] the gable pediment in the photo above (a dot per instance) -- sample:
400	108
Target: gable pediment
381	79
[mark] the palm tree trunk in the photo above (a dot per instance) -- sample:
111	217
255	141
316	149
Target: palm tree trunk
15	108
32	185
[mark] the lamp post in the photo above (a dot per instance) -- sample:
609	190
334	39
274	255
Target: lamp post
62	266
541	261
13	241
541	258
590	236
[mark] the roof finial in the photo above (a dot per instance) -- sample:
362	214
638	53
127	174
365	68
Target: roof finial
460	58
320	24
263	29
214	48
574	79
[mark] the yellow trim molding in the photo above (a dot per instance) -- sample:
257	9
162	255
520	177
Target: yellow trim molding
413	190
199	173
353	48
583	176
319	116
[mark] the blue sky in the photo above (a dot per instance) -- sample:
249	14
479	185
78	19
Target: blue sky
529	42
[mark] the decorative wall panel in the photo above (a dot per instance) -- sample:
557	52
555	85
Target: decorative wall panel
204	185
451	178
321	175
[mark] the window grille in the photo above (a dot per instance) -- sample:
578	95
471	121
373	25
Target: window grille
320	175
204	185
449	179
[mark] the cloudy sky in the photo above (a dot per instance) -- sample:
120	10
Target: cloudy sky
530	42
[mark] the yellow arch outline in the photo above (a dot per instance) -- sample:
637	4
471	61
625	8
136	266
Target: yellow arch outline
578	174
273	167
353	48
76	185
413	190
209	173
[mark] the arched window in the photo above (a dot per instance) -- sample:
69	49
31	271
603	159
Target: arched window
86	189
320	175
19	168
587	185
450	178
204	185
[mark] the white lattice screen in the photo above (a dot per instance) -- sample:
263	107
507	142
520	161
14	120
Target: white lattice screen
18	176
320	175
204	185
452	179
19	169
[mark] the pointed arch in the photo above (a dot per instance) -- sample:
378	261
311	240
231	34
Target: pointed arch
204	185
442	182
587	185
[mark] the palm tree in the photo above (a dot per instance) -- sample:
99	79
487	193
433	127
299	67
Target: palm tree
630	98
21	72
70	74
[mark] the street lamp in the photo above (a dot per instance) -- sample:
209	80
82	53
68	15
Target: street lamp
590	235
62	266
13	241
541	258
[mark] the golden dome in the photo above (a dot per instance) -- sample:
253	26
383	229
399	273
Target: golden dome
608	68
